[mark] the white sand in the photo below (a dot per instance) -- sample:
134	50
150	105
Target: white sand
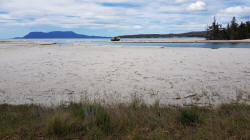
49	75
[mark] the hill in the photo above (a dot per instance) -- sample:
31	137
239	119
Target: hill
55	34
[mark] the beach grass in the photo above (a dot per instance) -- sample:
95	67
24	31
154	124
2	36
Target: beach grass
133	121
4	41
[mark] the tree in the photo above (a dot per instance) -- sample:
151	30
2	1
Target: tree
233	31
214	31
242	31
248	29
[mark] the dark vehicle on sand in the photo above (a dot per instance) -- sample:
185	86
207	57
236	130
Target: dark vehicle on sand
116	39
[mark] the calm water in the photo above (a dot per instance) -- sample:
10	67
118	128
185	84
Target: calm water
105	41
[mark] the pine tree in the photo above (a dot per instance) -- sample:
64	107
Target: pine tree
248	29
213	31
233	31
242	31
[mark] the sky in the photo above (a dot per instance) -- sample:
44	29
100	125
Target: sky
116	17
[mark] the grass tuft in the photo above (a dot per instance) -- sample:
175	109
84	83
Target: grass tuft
190	116
62	124
77	110
101	118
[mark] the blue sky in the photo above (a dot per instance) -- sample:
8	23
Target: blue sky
116	17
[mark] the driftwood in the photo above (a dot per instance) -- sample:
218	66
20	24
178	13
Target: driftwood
190	96
48	44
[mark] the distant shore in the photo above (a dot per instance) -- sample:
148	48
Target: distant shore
184	41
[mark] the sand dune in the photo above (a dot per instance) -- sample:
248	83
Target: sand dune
48	75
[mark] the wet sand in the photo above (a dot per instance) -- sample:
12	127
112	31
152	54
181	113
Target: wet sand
54	74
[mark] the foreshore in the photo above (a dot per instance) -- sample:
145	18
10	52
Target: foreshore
184	41
32	73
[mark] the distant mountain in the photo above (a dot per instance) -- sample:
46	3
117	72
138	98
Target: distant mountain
189	34
55	34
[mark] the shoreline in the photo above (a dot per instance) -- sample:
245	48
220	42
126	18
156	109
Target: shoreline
185	41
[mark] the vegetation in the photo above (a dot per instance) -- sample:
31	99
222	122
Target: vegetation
134	121
189	34
233	31
4	41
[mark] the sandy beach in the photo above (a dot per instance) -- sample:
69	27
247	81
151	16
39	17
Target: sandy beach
54	74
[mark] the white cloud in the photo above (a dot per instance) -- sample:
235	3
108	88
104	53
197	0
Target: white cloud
180	1
147	15
88	13
137	27
197	6
241	12
237	11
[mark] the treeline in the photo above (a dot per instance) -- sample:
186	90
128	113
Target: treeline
189	34
233	31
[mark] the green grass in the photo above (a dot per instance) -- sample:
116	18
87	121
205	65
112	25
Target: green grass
133	121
